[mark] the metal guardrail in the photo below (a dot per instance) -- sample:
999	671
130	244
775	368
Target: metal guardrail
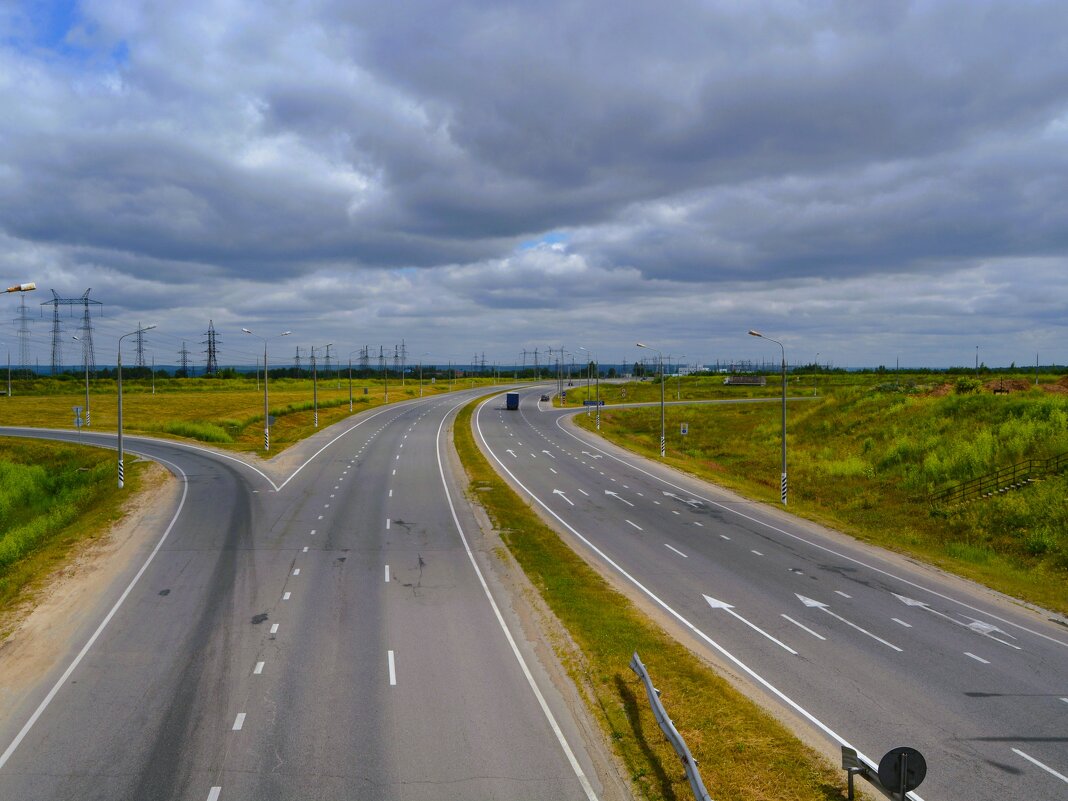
1011	477
672	734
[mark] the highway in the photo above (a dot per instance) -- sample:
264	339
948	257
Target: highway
851	643
319	626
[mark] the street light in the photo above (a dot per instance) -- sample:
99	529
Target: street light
266	415
816	374
421	355
663	433
22	287
597	383
118	365
86	360
315	384
358	350
783	482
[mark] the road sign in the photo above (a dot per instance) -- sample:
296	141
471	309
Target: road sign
902	769
77	416
270	419
685	429
593	403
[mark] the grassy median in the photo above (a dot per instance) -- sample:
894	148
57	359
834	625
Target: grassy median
743	752
54	497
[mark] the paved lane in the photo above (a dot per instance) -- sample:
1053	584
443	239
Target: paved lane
315	632
867	647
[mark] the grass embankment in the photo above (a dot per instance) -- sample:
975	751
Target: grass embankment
53	497
863	458
227	413
743	752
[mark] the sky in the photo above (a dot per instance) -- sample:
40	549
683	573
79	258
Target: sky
876	183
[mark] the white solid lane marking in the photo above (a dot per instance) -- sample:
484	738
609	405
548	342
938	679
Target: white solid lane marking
584	492
387	524
810	603
1046	768
758	553
676	550
387	574
806	628
729	609
239	721
977	658
286	596
564	746
392	671
296	571
213	793
274	628
902	622
635	525
258	669
839	592
4	757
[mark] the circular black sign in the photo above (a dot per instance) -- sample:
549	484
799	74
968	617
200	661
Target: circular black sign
890	768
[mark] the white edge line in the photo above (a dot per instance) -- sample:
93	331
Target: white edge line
799	538
575	766
1046	768
662	604
103	624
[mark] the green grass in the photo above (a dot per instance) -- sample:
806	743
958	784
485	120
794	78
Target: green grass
52	497
226	413
743	752
864	457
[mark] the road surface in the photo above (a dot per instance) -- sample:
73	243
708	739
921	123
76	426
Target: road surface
864	647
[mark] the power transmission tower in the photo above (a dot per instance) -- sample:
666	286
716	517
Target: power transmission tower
24	335
537	370
183	360
296	363
140	345
57	329
326	361
212	352
396	358
381	360
403	359
365	360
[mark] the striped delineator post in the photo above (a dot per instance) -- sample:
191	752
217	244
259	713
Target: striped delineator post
87	417
120	474
783	490
266	438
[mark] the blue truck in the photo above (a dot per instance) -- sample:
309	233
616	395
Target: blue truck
511	401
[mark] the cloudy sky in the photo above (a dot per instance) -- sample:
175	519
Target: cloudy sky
870	181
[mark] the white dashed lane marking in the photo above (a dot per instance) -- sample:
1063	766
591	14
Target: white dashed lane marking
239	721
258	669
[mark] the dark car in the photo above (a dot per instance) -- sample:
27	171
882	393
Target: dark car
545	397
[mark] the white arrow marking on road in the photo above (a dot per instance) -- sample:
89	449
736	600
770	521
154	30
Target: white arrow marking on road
730	611
691	501
561	494
512	452
978	626
617	497
591	455
548	454
822	606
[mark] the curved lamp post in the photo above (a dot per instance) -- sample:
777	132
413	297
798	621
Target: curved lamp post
266	416
782	486
118	365
86	360
421	355
663	433
315	384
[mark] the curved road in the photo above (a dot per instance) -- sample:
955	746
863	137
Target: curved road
314	627
868	648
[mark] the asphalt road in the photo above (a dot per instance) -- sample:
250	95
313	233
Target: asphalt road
863	647
315	628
